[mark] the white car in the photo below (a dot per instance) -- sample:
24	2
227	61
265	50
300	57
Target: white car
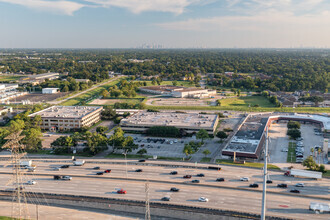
300	185
31	182
245	179
57	168
203	199
284	150
66	178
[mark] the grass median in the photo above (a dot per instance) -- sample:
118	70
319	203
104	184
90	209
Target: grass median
247	164
291	157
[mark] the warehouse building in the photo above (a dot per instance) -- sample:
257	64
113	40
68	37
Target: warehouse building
39	78
64	118
50	90
189	122
179	91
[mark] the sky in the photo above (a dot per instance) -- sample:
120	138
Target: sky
171	23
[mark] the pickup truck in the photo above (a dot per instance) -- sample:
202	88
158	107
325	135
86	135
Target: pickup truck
318	207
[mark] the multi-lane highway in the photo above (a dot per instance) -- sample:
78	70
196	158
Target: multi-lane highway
235	195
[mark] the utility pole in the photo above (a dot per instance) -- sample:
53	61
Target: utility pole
147	214
263	208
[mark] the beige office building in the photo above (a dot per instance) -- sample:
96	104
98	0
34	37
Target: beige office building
64	118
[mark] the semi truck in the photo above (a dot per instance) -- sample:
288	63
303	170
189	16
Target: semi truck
78	163
27	163
318	207
303	173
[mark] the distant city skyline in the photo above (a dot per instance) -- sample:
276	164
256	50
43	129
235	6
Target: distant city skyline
165	24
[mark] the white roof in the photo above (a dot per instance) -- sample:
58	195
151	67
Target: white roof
325	120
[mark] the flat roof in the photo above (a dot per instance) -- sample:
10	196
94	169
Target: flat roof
189	89
164	88
76	112
325	120
183	120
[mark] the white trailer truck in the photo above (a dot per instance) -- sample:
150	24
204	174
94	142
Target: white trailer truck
27	163
304	173
78	163
318	207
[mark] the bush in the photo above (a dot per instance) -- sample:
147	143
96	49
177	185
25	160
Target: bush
163	131
294	133
293	125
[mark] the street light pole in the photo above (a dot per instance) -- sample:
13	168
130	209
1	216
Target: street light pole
263	210
125	162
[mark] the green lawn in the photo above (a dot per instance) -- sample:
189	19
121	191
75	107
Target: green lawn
291	157
327	174
205	160
6	218
248	164
7	78
246	101
87	96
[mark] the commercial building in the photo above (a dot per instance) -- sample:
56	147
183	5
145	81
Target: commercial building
39	78
62	118
9	91
179	91
189	122
50	90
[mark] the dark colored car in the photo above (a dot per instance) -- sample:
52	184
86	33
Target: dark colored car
99	173
174	173
173	189
57	177
166	198
200	175
269	181
142	161
195	181
282	185
107	171
20	188
187	176
65	166
220	179
96	168
254	185
138	170
294	191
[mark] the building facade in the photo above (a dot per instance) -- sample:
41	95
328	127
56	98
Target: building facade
9	91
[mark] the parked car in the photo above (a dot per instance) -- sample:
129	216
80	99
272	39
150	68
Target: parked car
220	179
96	168
254	185
142	160
107	171
294	191
200	175
187	176
138	170
203	199
20	188
173	189
282	185
31	182
65	166
66	178
299	185
99	173
269	181
166	198
121	191
245	179
174	173
195	181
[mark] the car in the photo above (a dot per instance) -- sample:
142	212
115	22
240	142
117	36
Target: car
220	179
245	179
282	185
31	182
96	168
66	178
138	170
299	185
65	166
203	199
173	189
174	172
195	181
187	176
175	141
200	175
254	185
107	171
20	188
57	177
269	181
121	191
284	150
99	173
171	142
57	169
294	191
166	198
141	161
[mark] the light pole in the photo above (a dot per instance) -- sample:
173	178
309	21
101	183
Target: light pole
125	162
263	208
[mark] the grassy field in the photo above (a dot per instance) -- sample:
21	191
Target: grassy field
113	101
205	160
291	158
7	78
248	164
90	94
246	101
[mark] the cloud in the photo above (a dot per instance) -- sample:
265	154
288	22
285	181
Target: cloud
59	7
138	6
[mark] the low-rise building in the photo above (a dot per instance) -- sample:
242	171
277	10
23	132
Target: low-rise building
9	91
179	91
39	78
189	122
50	90
62	118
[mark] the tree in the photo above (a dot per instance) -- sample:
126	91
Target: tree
293	125
188	150
222	135
206	152
108	113
238	92
32	139
65	89
101	129
142	151
105	94
202	134
218	102
294	133
310	163
175	83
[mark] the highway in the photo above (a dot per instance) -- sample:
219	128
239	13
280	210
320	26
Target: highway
237	196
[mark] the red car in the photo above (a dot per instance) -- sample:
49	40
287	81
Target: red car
107	171
187	176
121	191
